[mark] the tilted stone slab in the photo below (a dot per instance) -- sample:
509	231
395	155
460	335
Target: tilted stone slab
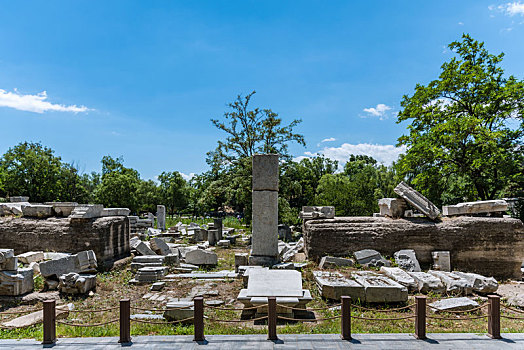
427	282
400	276
417	200
159	246
380	289
392	207
329	262
481	284
333	285
370	257
144	249
37	317
453	304
453	282
479	207
406	259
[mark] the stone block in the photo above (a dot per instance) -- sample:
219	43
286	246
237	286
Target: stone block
144	249
150	274
172	259
417	200
325	212
392	207
40	211
241	259
147	261
380	289
201	257
265	224
8	260
212	237
29	257
265	172
331	262
74	283
370	257
159	246
400	276
441	260
453	282
18	199
406	259
87	211
480	284
115	212
161	217
333	285
453	304
19	282
277	283
83	262
479	207
157	286
217	224
428	283
63	209
224	243
179	310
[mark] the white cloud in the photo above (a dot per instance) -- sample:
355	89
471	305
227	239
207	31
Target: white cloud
460	23
379	111
510	8
35	103
331	139
385	154
186	176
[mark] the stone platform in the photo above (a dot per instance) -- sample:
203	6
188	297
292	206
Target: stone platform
485	245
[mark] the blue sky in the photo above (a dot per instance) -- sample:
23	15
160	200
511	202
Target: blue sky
142	79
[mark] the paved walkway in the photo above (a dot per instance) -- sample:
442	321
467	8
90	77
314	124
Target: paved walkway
299	341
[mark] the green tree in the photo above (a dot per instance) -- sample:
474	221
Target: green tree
149	196
173	190
462	142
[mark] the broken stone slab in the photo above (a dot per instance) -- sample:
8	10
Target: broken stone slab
150	274
159	246
309	212
18	199
380	289
144	249
441	260
370	257
10	209
87	211
284	266
74	283
37	317
29	257
147	261
331	262
37	210
417	200
400	276
224	243
333	285
82	262
406	259
481	284
157	286
453	282
479	207
8	260
201	257
14	283
427	282
453	304
55	255
63	209
115	212
179	310
392	207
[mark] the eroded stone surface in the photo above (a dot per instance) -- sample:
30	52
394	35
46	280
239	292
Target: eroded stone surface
441	260
453	304
417	200
479	207
392	207
454	283
329	262
16	282
481	284
380	289
406	259
325	212
74	283
333	285
400	276
427	282
83	262
201	257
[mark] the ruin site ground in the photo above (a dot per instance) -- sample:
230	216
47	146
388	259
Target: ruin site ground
114	285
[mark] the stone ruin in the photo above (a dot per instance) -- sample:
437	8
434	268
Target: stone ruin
65	227
14	281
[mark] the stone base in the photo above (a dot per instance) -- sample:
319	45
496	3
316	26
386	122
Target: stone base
259	260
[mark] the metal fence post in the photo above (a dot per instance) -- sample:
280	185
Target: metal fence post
272	318
49	322
345	320
198	318
125	321
494	316
420	317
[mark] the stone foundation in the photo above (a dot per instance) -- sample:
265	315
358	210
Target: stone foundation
108	237
488	246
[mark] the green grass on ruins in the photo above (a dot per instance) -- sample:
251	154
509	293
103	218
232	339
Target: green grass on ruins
112	286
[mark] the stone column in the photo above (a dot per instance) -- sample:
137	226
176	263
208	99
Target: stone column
161	217
217	223
264	244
